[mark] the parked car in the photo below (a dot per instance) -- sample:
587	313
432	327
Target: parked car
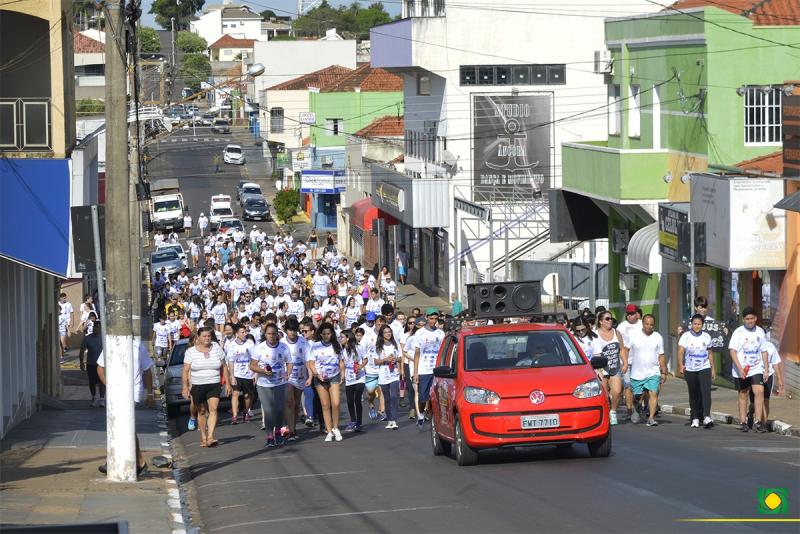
250	190
516	385
233	154
239	187
207	119
177	247
221	126
167	259
219	214
173	380
256	208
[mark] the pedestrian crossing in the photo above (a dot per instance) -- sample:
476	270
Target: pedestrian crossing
197	140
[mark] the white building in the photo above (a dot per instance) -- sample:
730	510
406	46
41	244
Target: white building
238	21
491	93
228	48
90	64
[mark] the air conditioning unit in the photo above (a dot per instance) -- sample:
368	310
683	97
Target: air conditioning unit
629	281
603	62
327	161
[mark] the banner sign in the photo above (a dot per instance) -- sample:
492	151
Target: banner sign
318	181
512	145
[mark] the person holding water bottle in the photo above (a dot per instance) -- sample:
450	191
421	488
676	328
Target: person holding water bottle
272	361
388	359
355	375
326	367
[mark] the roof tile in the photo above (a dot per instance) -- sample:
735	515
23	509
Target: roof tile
761	12
227	41
86	45
772	162
387	126
367	79
320	79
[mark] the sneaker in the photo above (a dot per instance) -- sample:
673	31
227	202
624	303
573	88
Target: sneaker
247	417
652	422
358	428
337	435
421	424
612	417
635	417
270	441
234	419
351	427
102	402
279	441
389	425
372	413
743	427
292	436
412	414
93	404
309	422
394	425
695	423
192	424
708	422
329	436
761	429
382	416
249	413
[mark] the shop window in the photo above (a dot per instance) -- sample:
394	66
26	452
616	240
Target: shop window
423	85
333	127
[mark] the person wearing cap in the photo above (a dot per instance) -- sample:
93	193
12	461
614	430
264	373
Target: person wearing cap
202	224
367	348
426	347
631	325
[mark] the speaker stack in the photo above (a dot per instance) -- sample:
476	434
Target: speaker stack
504	299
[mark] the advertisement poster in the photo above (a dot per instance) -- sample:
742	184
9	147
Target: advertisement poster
511	145
758	230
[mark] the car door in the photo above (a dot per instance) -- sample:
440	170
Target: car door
445	388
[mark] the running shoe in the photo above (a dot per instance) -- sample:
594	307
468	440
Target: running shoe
412	414
247	417
270	441
389	425
743	427
309	422
612	417
421	424
350	427
234	419
382	416
249	413
761	429
337	435
358	428
372	413
279	441
102	402
192	424
292	436
394	425
652	422
329	436
695	423
708	422
635	417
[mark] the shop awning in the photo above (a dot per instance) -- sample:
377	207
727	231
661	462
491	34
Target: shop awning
643	250
362	213
34	213
790	203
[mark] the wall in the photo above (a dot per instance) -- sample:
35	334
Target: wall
293	103
208	26
358	109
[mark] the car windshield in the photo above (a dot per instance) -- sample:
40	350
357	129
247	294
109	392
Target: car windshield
222	212
230	224
167	205
252	190
178	351
519	350
164	255
221	122
233	150
176	248
255	203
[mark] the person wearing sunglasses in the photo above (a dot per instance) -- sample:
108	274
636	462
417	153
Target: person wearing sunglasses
609	344
582	329
627	328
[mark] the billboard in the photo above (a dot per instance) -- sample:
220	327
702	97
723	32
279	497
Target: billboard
320	181
511	145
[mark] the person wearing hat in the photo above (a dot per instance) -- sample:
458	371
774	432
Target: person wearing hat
426	347
630	326
367	349
202	224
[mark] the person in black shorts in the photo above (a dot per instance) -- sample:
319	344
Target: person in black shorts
92	345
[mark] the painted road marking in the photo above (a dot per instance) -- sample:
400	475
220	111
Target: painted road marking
307	475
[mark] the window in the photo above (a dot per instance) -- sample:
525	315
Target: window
423	85
762	116
90	70
614	110
524	350
513	75
425	6
276	120
333	127
634	117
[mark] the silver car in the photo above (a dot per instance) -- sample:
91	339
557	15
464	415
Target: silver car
173	380
166	260
249	190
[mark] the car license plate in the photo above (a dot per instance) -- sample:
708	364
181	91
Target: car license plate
540	421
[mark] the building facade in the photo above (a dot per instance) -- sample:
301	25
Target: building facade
238	21
90	65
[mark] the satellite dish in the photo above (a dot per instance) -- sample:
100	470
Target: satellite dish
449	159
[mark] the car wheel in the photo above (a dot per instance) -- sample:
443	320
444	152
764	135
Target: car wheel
173	410
465	455
600	448
440	446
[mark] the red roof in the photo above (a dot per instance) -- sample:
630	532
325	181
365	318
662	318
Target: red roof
365	78
768	163
226	41
320	79
86	45
762	12
388	126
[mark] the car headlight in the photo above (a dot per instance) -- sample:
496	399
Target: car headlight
587	390
480	396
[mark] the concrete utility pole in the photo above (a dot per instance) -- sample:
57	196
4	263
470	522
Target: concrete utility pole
121	448
135	226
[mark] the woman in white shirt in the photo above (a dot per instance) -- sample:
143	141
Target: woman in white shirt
87	307
272	361
239	353
695	364
389	358
355	375
202	366
326	366
351	313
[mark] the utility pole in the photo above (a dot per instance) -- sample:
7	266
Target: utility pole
135	226
121	448
172	25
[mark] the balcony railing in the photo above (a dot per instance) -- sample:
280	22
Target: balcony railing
25	124
423	8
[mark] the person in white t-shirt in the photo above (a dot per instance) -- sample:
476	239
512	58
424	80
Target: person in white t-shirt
326	367
389	358
750	360
299	378
375	302
202	224
162	339
774	373
272	361
66	317
694	363
648	366
631	324
239	352
427	341
187	224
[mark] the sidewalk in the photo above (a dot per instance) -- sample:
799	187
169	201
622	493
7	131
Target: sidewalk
49	468
674	398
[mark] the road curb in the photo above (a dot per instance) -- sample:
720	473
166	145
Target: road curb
779	427
176	497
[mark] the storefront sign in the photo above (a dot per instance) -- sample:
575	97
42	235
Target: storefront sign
743	229
318	181
301	159
476	210
512	145
670	219
307	117
391	195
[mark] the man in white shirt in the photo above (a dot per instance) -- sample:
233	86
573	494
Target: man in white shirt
427	341
66	318
202	224
187	224
162	339
631	324
648	366
375	302
320	283
750	361
296	306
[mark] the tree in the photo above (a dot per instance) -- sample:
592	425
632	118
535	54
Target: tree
268	14
149	42
190	43
286	203
195	68
346	19
182	11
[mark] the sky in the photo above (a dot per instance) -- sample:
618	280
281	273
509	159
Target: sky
260	5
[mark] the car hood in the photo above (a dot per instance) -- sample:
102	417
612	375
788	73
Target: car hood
256	209
233	155
520	382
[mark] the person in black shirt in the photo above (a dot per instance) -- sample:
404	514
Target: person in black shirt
92	345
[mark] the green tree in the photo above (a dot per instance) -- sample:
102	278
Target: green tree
268	14
190	43
89	106
286	203
195	68
182	11
352	19
149	42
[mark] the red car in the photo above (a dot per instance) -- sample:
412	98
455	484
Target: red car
516	385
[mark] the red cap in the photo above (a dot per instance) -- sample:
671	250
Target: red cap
630	308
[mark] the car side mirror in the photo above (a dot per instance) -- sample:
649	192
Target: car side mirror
444	371
599	362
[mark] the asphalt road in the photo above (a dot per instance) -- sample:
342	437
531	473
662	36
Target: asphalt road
389	481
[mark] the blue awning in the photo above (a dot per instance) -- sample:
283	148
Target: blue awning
34	213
